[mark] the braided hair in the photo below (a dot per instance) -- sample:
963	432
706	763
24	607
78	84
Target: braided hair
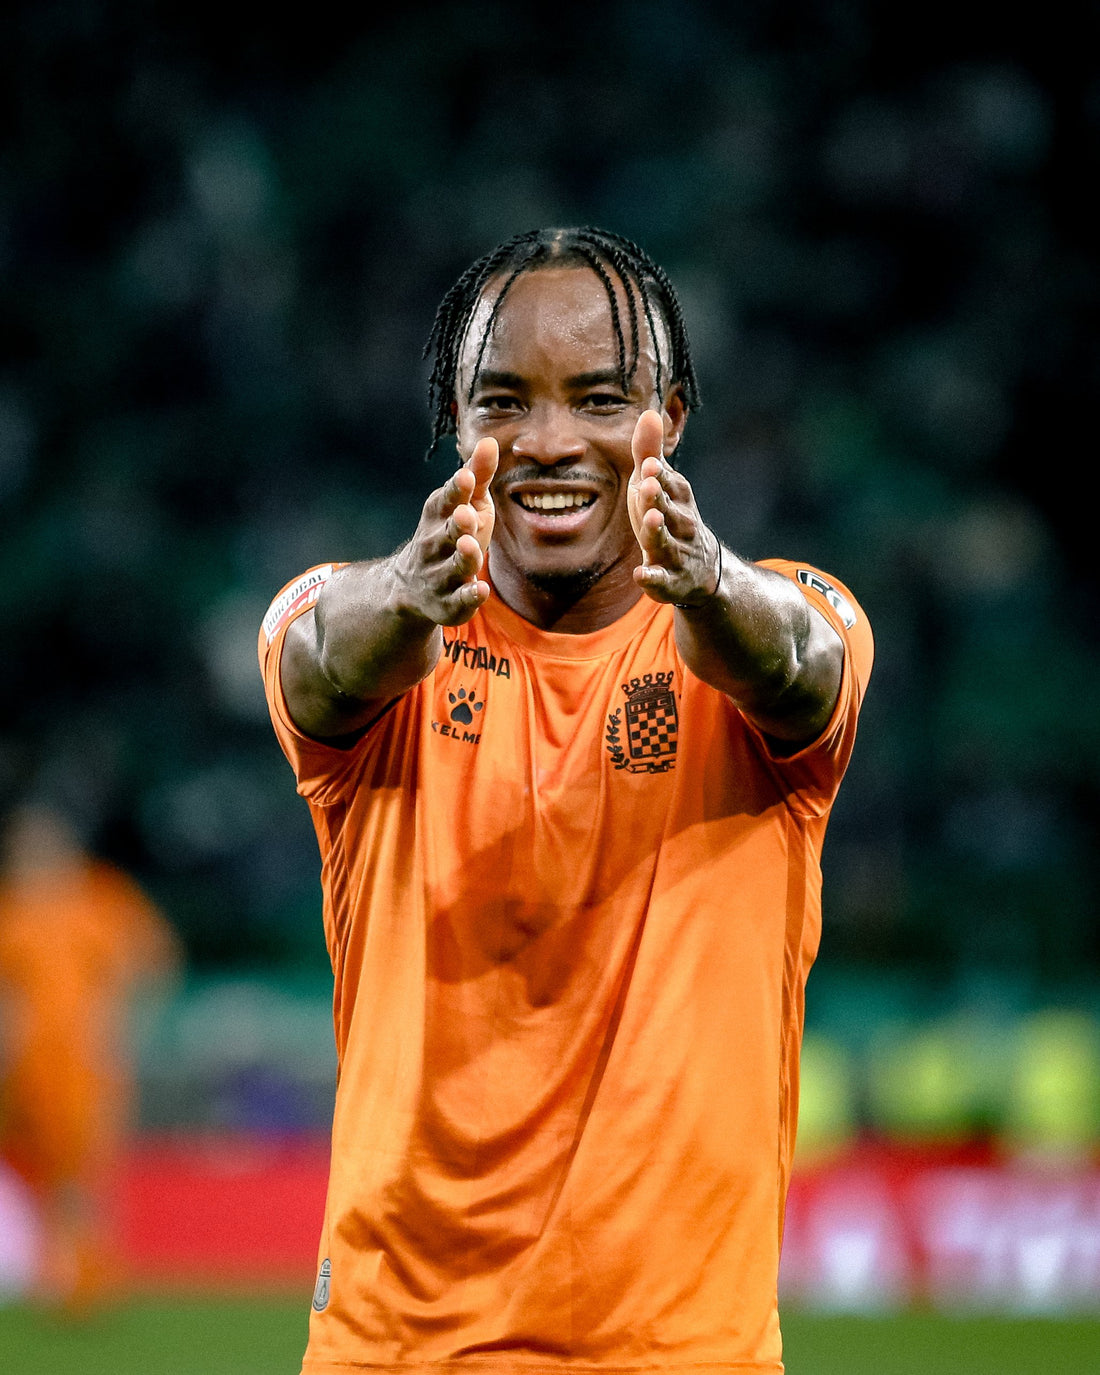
609	256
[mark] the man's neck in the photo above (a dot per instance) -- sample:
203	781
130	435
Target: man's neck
574	605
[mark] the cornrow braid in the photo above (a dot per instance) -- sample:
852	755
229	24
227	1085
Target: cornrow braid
609	256
625	375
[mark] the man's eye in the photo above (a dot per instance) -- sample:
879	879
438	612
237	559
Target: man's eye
604	400
497	403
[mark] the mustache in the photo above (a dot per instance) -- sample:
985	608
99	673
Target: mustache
541	472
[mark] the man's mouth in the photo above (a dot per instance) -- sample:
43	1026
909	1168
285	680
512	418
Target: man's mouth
549	502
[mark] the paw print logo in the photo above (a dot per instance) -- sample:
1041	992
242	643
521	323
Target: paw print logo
464	706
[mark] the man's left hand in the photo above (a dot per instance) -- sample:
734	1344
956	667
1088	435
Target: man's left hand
680	555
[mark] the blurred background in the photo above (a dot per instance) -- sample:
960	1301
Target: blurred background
221	248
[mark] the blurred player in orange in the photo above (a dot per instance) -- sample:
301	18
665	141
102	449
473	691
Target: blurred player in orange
77	937
570	763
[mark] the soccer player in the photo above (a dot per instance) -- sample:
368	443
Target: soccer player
570	764
78	938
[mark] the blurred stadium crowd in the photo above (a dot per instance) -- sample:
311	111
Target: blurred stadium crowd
220	253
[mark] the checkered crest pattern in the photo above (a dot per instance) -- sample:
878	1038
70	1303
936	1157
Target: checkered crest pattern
645	742
651	722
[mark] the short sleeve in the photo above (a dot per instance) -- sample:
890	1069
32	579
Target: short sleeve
321	770
817	768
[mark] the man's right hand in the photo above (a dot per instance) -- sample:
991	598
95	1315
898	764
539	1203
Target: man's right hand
374	632
440	566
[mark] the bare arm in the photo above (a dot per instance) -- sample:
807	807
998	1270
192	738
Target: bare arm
374	631
745	630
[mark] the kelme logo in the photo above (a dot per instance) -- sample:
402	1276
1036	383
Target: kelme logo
461	723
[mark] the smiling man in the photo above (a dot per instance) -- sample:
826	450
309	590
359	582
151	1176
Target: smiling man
570	764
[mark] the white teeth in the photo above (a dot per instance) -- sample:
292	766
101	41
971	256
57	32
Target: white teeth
554	501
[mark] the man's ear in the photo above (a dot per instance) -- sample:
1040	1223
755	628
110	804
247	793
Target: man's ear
674	412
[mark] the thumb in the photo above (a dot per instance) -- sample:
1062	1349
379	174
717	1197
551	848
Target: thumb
483	464
648	438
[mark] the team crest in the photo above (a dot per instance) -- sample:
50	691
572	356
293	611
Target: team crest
642	733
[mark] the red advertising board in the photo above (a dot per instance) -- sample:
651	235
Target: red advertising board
875	1228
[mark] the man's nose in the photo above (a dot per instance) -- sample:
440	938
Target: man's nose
548	434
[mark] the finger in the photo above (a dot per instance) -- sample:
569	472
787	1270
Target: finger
482	463
460	604
648	439
471	595
468	557
676	484
682	521
463	521
651	483
655	580
457	490
672	482
653	538
655	525
654	495
653	467
655	477
669	492
650	492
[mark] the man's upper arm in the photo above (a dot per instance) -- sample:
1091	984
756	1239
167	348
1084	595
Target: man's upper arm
316	706
840	649
802	712
300	695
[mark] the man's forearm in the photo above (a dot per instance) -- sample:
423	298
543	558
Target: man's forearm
758	640
370	641
361	646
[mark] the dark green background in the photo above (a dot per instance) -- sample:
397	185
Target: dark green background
222	239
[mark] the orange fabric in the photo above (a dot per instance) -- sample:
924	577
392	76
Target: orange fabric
571	900
71	946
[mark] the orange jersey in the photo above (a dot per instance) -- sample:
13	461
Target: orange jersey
70	949
571	898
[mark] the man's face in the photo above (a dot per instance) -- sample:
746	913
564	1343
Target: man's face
548	390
